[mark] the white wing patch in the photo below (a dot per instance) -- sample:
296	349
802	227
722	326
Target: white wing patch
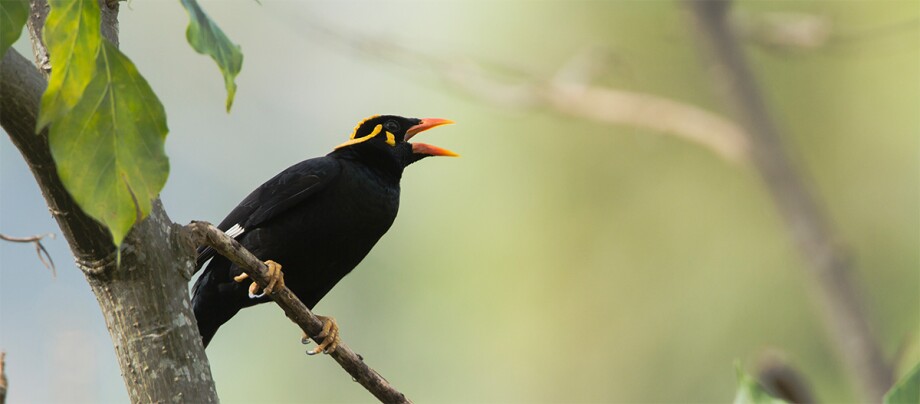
235	231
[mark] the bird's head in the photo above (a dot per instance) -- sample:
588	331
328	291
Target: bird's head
385	139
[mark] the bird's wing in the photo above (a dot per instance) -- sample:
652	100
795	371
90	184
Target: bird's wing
285	190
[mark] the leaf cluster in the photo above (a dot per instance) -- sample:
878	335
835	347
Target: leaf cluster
106	127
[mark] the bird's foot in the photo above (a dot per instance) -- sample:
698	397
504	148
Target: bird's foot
330	336
275	280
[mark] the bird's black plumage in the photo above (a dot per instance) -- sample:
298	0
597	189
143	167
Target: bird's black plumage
318	218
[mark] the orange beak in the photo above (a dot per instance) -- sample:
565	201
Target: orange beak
427	149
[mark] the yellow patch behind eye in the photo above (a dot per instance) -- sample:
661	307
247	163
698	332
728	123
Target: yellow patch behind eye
391	140
375	132
354	131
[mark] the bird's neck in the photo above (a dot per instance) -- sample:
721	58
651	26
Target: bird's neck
381	164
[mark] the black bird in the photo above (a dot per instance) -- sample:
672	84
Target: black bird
319	218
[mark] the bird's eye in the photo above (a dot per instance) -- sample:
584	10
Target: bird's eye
391	126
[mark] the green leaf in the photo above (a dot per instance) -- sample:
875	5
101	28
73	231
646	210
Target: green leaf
109	148
906	390
207	39
13	16
72	36
750	392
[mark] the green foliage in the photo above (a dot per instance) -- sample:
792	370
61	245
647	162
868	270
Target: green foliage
107	127
906	390
72	36
208	39
109	148
13	15
750	392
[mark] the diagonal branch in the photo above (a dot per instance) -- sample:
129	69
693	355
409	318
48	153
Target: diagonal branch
829	266
204	233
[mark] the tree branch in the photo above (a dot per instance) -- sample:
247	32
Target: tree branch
828	263
204	233
43	255
38	13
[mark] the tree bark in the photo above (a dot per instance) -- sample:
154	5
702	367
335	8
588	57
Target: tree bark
148	313
144	299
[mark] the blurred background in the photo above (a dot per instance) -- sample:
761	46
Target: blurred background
561	259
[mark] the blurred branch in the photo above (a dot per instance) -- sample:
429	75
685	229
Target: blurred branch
205	233
828	263
3	382
877	32
569	92
805	32
39	248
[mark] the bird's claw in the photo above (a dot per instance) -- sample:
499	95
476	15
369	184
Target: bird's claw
330	336
275	280
253	295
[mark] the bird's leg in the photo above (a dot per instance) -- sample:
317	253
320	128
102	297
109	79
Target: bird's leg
275	280
330	336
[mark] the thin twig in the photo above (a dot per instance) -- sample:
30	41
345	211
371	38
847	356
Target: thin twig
43	255
828	264
204	233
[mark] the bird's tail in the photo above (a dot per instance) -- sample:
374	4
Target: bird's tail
210	315
206	328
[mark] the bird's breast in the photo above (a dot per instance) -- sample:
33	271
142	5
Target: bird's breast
336	229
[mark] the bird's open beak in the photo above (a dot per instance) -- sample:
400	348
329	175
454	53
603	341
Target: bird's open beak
427	149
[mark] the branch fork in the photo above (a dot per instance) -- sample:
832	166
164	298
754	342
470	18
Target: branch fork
43	255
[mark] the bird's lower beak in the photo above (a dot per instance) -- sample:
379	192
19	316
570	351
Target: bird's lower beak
427	149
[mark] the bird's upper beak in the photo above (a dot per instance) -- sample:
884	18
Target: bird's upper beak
427	149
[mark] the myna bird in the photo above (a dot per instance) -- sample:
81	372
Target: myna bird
319	218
